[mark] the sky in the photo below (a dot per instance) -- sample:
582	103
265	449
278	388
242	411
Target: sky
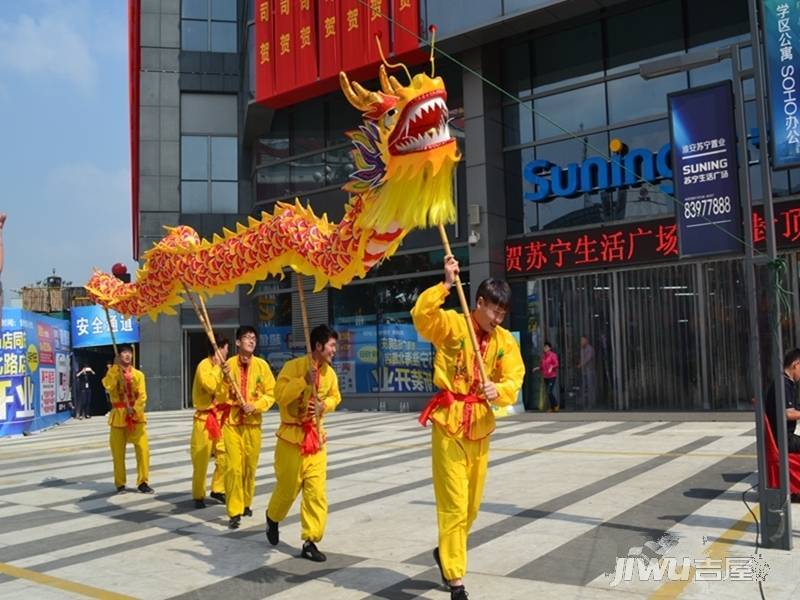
64	154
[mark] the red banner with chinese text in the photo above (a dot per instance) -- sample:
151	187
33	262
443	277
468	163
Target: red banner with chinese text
629	244
377	26
405	25
285	44
330	54
306	42
264	49
352	16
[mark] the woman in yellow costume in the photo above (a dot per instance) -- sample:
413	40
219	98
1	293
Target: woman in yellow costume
461	413
301	460
126	386
241	433
210	414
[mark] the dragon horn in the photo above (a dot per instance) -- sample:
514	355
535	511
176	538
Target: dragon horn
359	97
384	79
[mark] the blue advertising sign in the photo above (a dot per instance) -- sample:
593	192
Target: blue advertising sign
782	42
706	174
405	360
356	361
89	327
275	346
34	372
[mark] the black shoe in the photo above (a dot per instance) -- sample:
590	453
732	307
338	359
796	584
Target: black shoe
120	488
794	497
199	503
272	532
145	489
218	496
235	522
439	564
458	593
311	552
247	512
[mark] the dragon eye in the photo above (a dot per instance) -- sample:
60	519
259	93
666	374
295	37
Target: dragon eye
388	117
391	112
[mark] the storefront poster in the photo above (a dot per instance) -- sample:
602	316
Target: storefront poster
781	31
356	360
34	388
90	327
276	347
405	360
704	165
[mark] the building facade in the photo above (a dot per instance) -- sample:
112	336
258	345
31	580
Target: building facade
567	90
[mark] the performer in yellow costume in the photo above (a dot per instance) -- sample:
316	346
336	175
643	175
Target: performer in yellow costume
461	413
301	460
126	387
241	433
209	417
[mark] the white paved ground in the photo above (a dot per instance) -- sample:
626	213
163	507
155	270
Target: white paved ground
563	500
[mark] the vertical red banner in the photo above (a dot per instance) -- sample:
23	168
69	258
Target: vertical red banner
306	57
264	55
405	25
353	19
328	27
285	44
377	26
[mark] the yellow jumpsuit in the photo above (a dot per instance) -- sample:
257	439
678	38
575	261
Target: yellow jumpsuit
293	470
127	392
241	433
206	388
461	430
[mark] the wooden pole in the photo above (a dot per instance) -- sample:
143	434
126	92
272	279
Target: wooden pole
202	316
111	330
464	307
307	337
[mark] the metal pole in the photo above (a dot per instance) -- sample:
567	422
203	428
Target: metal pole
775	509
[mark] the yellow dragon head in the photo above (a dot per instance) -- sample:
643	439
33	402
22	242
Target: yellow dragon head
403	153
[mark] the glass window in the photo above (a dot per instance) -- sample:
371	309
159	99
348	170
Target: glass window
308	173
714	20
204	189
194	9
573	111
194	157
711	73
224	197
223	10
568	56
517	69
194	35
223	36
518	124
645	33
569	206
208	25
251	63
274	145
223	158
309	127
633	97
194	197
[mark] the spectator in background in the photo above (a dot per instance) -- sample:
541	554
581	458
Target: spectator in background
83	403
548	365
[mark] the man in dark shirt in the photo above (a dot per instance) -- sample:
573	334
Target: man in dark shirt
791	375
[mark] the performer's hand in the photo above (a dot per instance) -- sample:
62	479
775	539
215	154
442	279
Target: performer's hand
129	410
490	391
319	408
451	270
226	368
248	408
2	220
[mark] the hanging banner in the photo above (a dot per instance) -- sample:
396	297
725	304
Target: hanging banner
89	327
285	45
264	49
781	31
330	54
353	34
306	43
703	137
377	27
405	25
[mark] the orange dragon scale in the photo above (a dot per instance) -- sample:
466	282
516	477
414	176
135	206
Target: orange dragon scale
404	158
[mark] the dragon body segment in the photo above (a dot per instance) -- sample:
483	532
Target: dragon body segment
404	157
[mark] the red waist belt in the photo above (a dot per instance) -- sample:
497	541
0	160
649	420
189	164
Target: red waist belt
215	419
310	444
130	422
444	399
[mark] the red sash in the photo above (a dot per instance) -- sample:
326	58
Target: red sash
444	399
130	422
311	441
